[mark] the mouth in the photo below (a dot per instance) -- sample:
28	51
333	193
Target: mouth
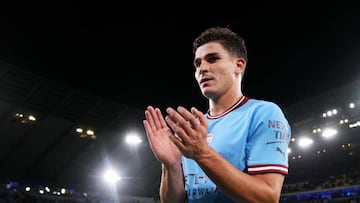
204	80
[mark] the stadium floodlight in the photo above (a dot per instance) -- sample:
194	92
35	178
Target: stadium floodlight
305	142
133	139
111	176
329	133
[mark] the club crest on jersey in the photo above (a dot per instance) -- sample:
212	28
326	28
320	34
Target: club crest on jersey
209	137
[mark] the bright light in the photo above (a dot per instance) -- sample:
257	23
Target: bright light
79	130
329	133
133	139
342	121
334	111
329	113
305	142
354	125
90	132
31	118
47	189
111	176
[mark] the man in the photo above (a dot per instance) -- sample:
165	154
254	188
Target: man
237	151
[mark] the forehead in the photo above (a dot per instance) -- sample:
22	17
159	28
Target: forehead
211	47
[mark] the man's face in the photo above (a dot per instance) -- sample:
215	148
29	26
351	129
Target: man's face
215	69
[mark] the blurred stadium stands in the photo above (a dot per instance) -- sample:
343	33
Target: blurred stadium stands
46	154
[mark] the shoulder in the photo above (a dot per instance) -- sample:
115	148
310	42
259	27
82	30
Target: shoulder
269	112
262	105
262	109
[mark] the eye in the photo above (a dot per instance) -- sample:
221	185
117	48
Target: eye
212	59
197	63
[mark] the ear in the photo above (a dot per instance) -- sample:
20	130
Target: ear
240	65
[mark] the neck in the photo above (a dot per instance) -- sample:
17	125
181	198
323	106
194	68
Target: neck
222	104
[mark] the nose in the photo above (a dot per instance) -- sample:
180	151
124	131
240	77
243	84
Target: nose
204	67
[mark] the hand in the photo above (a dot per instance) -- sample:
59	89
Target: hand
191	130
159	135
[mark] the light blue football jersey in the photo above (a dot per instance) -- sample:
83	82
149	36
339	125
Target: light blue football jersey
253	135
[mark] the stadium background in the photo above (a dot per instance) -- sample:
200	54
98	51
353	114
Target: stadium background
44	157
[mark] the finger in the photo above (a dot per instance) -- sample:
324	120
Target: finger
178	142
161	119
200	116
150	121
189	116
153	115
178	127
149	132
173	124
178	118
147	127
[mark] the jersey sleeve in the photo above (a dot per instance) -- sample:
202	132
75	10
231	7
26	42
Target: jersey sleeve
268	140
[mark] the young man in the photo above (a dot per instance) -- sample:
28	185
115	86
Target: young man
237	151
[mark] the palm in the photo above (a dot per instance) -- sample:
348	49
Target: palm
164	149
158	134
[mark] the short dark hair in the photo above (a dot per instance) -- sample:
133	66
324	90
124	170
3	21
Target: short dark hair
230	40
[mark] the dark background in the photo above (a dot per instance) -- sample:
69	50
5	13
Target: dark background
140	53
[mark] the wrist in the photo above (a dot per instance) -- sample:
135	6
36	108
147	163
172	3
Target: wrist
205	155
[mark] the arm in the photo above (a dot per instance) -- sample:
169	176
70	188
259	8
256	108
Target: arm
239	185
192	130
172	185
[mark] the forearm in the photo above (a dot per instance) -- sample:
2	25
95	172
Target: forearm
237	184
172	185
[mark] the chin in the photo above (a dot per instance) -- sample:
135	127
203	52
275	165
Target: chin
208	94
